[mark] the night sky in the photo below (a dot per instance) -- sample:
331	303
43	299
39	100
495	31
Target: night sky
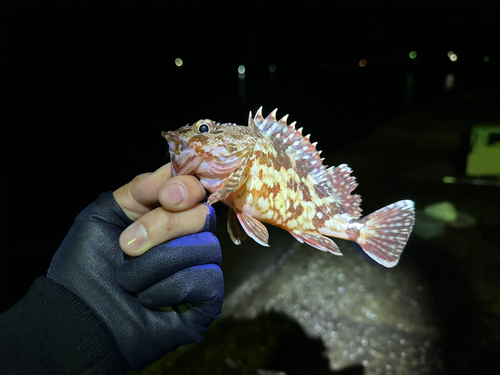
83	60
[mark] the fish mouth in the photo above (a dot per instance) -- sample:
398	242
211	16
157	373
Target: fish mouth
172	139
183	159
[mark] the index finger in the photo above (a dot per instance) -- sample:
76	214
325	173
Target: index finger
140	195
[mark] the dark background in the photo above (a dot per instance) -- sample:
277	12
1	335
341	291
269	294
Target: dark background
85	91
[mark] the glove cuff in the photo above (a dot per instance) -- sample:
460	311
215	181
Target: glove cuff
58	334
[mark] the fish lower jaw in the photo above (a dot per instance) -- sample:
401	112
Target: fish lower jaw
172	169
184	164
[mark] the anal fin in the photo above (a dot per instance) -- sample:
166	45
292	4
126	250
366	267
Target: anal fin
317	241
253	228
234	228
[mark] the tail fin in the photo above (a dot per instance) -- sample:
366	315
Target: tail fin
385	232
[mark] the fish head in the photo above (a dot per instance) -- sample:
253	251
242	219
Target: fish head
207	148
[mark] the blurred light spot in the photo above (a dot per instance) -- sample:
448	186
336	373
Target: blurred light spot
449	82
241	71
324	66
362	63
178	61
449	179
272	68
486	58
413	54
450	53
453	57
242	87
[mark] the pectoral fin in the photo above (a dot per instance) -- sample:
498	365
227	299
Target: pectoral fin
254	228
234	228
232	183
317	241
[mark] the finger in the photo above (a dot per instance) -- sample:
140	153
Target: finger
162	261
180	193
160	225
197	285
198	322
141	194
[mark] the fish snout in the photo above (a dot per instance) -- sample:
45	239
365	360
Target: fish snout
176	143
183	159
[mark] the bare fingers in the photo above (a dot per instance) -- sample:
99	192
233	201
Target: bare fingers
140	195
150	190
161	225
162	208
181	193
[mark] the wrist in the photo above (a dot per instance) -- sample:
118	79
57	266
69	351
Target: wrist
59	334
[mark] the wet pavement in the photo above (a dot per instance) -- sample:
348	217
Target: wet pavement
363	313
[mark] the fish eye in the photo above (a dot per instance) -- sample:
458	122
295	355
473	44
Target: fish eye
203	127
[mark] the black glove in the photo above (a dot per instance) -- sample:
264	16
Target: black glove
151	304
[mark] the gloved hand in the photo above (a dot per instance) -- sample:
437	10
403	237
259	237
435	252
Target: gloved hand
153	303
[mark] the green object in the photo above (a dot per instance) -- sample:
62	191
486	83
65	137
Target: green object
413	54
486	58
484	159
444	211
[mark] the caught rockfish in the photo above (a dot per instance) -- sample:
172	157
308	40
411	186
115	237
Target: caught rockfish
268	172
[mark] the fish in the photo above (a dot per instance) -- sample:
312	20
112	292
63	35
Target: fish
268	172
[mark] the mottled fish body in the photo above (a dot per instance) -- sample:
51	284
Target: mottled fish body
269	172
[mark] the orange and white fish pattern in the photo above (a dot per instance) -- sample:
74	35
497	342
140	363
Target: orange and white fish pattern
268	172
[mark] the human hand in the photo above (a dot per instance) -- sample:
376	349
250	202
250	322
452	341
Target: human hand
162	208
181	274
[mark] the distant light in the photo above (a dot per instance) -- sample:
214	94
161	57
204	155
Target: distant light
486	58
413	54
449	82
453	57
272	68
362	63
450	53
449	180
178	61
241	69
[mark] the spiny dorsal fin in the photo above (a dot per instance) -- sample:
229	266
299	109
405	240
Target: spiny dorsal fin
337	182
291	140
251	122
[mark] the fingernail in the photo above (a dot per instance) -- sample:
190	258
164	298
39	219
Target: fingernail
175	193
134	237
